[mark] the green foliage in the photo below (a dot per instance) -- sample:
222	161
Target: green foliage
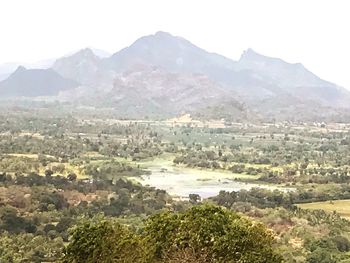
222	235
328	249
103	241
112	169
201	234
321	256
11	222
342	243
29	248
36	210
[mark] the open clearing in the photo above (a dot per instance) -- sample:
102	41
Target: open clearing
342	207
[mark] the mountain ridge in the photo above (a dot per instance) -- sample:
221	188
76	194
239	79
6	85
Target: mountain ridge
266	85
34	82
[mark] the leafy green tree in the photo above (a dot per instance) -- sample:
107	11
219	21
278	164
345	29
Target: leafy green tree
203	233
223	235
321	255
103	241
342	243
11	222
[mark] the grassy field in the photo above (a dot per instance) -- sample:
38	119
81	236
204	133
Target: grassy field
342	207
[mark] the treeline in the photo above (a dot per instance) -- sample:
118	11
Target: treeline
201	234
66	147
311	236
36	207
264	198
306	174
302	171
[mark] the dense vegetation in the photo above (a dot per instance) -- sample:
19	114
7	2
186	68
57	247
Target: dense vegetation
54	171
200	234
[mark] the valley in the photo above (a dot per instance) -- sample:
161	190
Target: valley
163	126
286	175
174	131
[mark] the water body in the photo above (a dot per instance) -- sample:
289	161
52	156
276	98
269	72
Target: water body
181	181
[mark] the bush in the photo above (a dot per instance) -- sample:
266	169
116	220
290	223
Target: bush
203	233
223	235
100	241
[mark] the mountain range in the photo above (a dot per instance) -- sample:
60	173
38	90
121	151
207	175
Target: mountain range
35	82
166	75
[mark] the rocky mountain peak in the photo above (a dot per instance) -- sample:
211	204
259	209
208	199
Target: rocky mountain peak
85	53
250	54
20	69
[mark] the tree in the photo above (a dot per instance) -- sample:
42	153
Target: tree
223	235
194	198
186	256
321	255
204	233
342	243
103	241
11	222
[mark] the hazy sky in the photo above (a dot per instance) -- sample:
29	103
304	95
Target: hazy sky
313	32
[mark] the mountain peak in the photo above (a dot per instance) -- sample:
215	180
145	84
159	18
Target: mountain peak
84	67
159	38
86	52
20	69
163	34
170	52
38	82
250	54
99	52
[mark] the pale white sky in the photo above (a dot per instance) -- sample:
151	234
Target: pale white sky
313	32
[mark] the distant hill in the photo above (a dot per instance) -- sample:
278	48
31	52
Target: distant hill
4	76
84	67
155	92
294	79
254	78
170	53
166	74
34	82
100	53
8	68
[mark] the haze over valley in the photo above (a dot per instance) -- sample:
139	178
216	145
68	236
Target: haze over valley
224	137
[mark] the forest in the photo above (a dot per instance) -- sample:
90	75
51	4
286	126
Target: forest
73	189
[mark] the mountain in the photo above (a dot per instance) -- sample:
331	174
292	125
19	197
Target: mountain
34	82
294	79
170	53
255	78
151	91
4	76
176	54
7	68
83	67
100	53
167	74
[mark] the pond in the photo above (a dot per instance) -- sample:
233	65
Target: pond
182	181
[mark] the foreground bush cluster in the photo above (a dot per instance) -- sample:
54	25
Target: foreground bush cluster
203	233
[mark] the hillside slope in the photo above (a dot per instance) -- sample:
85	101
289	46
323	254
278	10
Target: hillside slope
34	82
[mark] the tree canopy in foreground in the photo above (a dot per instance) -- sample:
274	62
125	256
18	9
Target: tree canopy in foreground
203	233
